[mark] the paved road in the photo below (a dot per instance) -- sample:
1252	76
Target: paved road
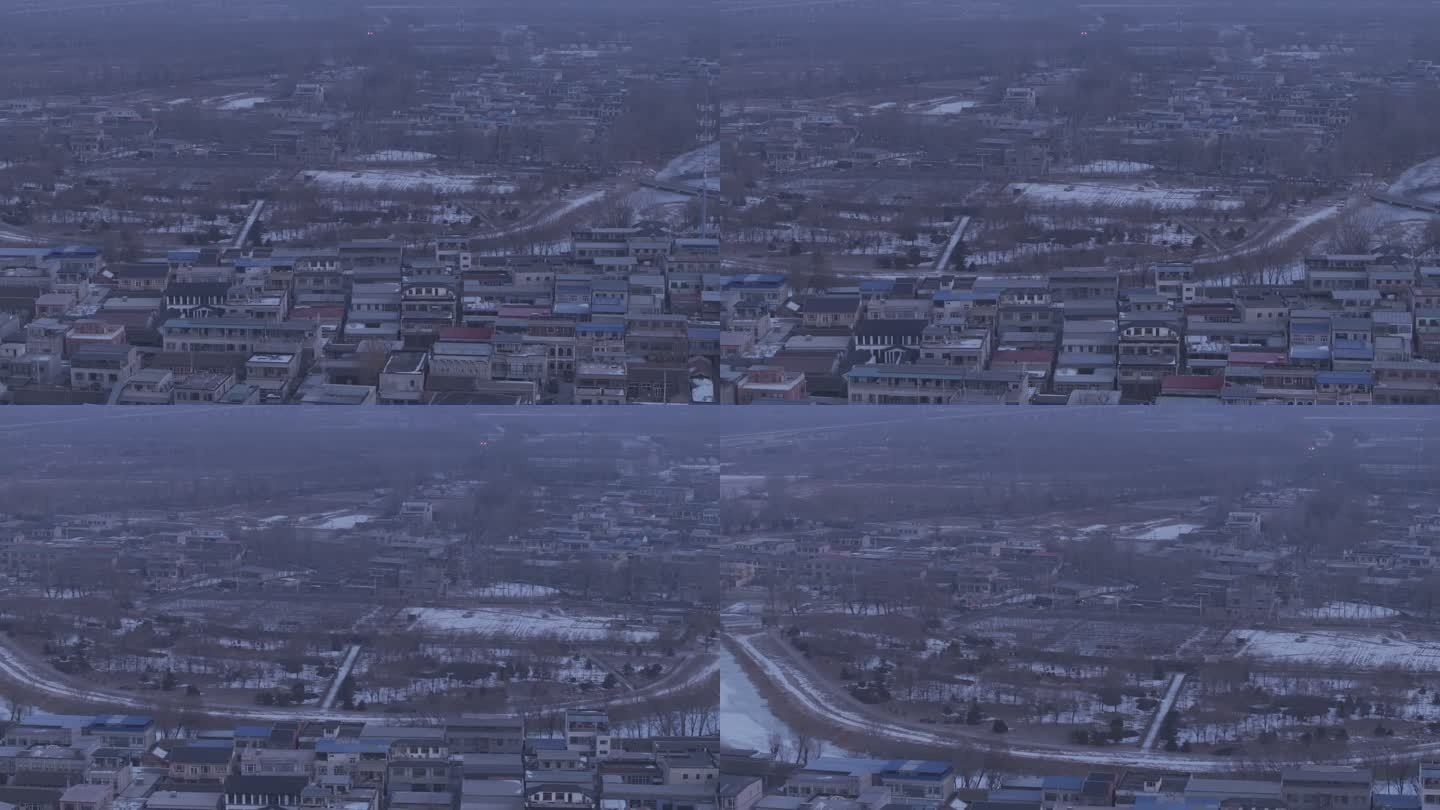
249	224
14	237
808	692
352	653
1403	201
673	188
32	672
1172	691
943	260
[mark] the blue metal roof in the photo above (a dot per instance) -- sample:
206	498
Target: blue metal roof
877	285
119	721
1152	801
921	768
966	295
1015	796
252	731
1344	378
845	764
1395	801
1062	782
1357	353
757	280
329	746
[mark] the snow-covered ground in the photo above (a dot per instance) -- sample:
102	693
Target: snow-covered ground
571	205
694	162
1117	195
1341	649
741	485
1349	610
1172	531
817	701
396	156
1111	167
1313	218
346	521
522	624
651	203
1300	225
43	681
944	106
400	180
241	102
508	590
16	237
702	389
1286	274
1422	177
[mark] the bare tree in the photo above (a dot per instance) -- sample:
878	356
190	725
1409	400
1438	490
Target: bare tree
1354	233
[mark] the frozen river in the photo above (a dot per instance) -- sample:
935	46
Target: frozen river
745	717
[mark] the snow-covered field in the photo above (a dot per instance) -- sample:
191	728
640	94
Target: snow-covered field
522	624
1313	218
694	162
569	206
1422	177
400	180
508	590
650	203
1349	610
944	106
815	700
12	236
1171	531
396	156
232	103
344	521
1111	167
1116	195
1340	650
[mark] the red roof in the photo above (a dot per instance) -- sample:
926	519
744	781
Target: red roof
1191	382
475	334
1257	358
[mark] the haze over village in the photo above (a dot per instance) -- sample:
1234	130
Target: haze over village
1135	212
